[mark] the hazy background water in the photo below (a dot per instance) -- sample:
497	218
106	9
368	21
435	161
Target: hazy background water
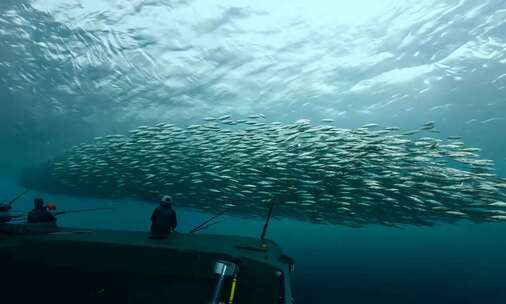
71	70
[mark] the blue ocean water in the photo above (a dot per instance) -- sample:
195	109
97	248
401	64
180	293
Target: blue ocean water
71	70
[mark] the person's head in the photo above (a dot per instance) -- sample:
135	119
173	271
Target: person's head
166	200
51	206
38	203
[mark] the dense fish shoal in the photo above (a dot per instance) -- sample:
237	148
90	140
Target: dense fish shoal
316	173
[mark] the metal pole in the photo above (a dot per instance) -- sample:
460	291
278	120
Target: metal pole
266	225
223	269
219	286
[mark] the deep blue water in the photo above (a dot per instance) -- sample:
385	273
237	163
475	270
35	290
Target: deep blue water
71	70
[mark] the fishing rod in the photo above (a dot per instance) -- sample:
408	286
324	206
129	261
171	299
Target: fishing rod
8	206
9	218
17	211
207	226
198	227
12	201
69	211
81	210
23	218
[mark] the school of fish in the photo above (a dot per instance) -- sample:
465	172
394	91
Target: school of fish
312	172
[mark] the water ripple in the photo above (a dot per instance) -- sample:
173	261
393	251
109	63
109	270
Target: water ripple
106	66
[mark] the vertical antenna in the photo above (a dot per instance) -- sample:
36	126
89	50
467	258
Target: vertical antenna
266	225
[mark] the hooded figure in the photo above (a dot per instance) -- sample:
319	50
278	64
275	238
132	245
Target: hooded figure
40	214
163	219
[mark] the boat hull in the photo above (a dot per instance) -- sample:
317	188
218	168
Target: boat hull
130	266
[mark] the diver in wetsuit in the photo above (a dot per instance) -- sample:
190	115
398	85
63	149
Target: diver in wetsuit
40	214
163	219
